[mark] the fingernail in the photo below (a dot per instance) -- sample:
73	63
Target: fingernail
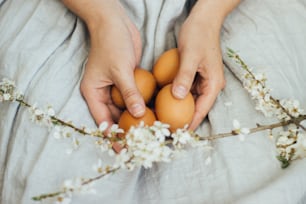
137	110
180	91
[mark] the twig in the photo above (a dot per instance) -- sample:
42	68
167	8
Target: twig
234	55
252	130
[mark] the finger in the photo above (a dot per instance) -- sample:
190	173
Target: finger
98	101
131	96
203	105
117	147
184	78
115	111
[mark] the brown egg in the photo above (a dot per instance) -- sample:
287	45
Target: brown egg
126	120
145	83
166	67
177	113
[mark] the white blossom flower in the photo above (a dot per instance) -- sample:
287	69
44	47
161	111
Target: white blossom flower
97	167
284	139
287	137
50	111
145	148
300	146
260	77
181	137
161	130
38	112
103	144
41	117
241	132
18	95
114	129
62	132
103	126
6	97
7	90
292	106
289	143
122	158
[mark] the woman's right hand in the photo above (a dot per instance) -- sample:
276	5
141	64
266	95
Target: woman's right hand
115	51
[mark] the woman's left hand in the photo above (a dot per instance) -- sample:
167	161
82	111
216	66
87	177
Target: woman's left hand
201	66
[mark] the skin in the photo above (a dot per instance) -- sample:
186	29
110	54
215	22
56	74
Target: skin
122	43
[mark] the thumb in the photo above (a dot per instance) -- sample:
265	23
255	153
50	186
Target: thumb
185	76
131	96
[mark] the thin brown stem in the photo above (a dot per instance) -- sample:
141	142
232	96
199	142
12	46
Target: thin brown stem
67	124
86	182
253	130
113	170
47	195
58	121
23	103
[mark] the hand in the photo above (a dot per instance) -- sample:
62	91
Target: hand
114	53
201	67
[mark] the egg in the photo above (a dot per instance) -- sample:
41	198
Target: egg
126	120
175	112
145	83
166	67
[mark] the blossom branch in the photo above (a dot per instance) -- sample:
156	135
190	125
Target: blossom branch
259	128
48	195
290	142
244	66
72	189
57	121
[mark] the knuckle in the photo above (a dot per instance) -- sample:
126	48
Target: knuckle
129	94
186	77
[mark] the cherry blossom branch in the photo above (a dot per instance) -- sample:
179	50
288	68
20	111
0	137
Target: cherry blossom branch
244	66
259	128
69	189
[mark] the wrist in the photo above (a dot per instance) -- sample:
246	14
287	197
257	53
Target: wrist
105	14
94	12
214	10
